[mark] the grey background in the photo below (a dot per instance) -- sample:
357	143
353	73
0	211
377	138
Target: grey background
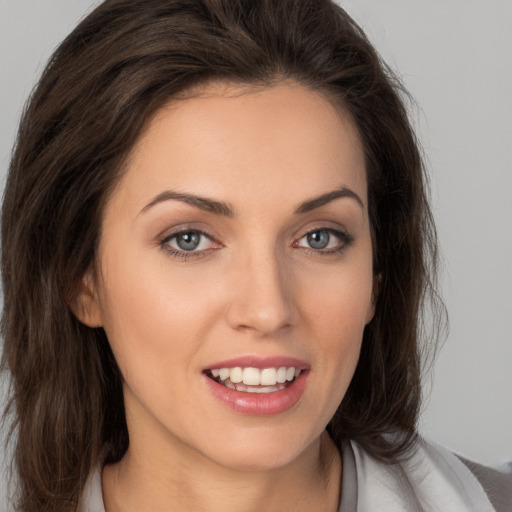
455	57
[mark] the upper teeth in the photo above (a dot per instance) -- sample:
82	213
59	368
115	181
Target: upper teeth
255	376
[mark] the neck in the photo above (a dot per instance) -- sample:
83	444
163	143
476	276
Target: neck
311	482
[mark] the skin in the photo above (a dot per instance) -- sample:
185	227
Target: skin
254	287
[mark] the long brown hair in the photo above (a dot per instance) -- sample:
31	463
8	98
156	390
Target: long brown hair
100	88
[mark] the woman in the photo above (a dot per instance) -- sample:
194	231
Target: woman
216	245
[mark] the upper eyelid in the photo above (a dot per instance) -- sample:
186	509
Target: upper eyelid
324	228
169	234
336	231
327	223
178	232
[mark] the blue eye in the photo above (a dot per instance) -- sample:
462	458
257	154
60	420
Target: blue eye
325	240
187	242
318	239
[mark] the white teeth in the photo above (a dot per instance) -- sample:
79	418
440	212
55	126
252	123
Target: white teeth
223	373
259	389
267	379
251	376
281	375
236	375
265	389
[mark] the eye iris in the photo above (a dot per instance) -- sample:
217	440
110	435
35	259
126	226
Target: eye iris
318	239
188	241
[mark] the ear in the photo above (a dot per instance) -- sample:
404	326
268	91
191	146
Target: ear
86	304
375	293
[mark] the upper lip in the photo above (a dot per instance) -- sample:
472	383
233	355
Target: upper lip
260	362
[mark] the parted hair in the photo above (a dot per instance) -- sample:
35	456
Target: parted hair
102	85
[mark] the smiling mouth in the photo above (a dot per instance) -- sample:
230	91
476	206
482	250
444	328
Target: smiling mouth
254	380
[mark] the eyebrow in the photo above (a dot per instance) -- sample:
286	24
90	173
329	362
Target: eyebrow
203	203
317	202
226	210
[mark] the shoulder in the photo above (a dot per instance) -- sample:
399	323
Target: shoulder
430	479
497	483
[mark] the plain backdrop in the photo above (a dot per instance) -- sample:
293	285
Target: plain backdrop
455	57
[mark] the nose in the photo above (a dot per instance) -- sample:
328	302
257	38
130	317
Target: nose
263	296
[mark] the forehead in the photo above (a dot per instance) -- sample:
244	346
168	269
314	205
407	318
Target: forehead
239	143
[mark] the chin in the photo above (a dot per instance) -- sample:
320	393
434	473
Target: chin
242	460
266	452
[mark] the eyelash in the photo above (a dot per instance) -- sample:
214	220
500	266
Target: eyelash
344	237
346	241
184	255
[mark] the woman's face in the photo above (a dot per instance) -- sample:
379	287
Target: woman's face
237	244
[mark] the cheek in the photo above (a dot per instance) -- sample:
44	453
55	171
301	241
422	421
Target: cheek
336	311
340	301
153	318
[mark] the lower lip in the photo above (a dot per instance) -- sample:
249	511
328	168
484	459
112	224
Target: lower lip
259	404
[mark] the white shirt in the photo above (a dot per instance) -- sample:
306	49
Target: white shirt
431	480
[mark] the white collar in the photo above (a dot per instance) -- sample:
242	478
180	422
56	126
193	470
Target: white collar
431	480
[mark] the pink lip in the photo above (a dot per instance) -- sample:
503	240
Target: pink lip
259	362
259	404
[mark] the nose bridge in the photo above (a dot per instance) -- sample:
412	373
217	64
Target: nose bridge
263	293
